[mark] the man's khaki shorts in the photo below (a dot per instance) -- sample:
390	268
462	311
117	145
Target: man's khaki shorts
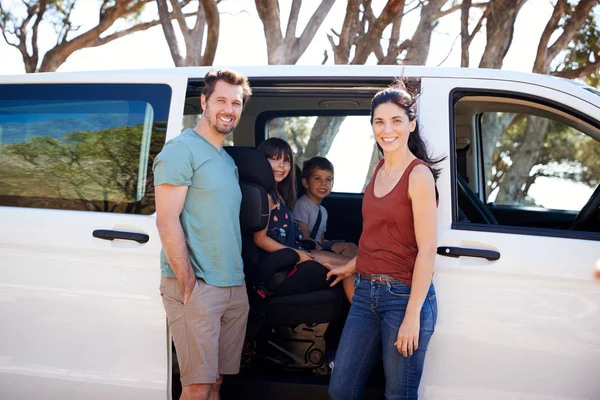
208	329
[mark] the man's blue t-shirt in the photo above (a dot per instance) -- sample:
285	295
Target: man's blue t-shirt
211	214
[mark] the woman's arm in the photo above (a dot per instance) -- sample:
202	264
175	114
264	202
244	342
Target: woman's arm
341	273
421	189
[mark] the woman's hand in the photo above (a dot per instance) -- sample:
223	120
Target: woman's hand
341	272
304	256
408	335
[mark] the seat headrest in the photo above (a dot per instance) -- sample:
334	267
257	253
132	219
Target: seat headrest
253	167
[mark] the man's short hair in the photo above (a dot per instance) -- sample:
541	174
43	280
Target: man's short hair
226	75
316	163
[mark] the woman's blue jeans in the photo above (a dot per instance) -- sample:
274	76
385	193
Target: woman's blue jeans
370	332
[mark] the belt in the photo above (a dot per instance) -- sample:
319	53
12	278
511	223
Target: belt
376	277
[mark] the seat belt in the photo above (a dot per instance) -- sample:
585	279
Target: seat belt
315	229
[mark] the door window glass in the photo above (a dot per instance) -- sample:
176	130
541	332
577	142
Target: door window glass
81	146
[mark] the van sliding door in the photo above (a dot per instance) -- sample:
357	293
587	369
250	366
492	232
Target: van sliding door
80	311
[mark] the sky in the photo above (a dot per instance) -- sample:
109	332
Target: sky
242	40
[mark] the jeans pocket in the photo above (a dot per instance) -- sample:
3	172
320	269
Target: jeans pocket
399	290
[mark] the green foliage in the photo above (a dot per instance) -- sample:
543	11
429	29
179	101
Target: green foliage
584	49
96	169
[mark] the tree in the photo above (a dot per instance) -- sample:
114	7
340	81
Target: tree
287	49
207	19
362	31
582	58
23	32
569	23
500	16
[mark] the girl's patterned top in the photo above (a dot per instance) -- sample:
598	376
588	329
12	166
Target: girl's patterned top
280	224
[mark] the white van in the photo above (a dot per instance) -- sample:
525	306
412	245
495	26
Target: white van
519	225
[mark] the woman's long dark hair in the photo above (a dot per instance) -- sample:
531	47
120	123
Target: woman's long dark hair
398	93
276	148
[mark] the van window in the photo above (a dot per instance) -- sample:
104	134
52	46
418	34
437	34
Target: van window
81	146
563	175
523	164
346	140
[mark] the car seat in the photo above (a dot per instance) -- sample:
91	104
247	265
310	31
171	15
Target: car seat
287	330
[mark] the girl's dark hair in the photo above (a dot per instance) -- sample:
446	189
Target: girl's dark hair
276	148
399	94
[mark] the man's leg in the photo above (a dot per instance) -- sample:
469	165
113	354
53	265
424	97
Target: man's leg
195	327
231	339
215	389
196	392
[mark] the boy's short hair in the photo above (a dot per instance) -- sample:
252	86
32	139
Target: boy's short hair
316	163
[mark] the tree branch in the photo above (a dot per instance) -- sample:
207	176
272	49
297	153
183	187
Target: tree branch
392	52
588	69
571	28
290	32
136	28
341	52
178	13
211	13
464	33
313	25
268	11
542	50
168	31
367	41
477	27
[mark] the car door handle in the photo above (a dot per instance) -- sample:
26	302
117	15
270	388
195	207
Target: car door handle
456	252
111	235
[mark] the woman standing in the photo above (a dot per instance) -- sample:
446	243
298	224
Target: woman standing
394	309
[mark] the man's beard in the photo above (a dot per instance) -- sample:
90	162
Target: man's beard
215	125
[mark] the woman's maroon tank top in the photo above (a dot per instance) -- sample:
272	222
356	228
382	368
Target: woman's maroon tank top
388	244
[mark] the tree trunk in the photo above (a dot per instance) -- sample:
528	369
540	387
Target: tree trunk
287	50
421	40
375	158
511	188
321	136
500	25
465	8
492	128
197	50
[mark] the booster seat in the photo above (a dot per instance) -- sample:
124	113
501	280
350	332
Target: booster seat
287	330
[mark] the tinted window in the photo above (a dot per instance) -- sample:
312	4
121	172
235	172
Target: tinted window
81	146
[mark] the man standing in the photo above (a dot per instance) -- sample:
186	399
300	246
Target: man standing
198	202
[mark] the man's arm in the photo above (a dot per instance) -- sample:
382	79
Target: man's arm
169	204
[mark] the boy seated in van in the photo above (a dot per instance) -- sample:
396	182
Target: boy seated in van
317	179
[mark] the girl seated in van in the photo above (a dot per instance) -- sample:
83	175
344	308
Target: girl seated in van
283	231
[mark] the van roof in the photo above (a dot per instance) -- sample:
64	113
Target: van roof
301	72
